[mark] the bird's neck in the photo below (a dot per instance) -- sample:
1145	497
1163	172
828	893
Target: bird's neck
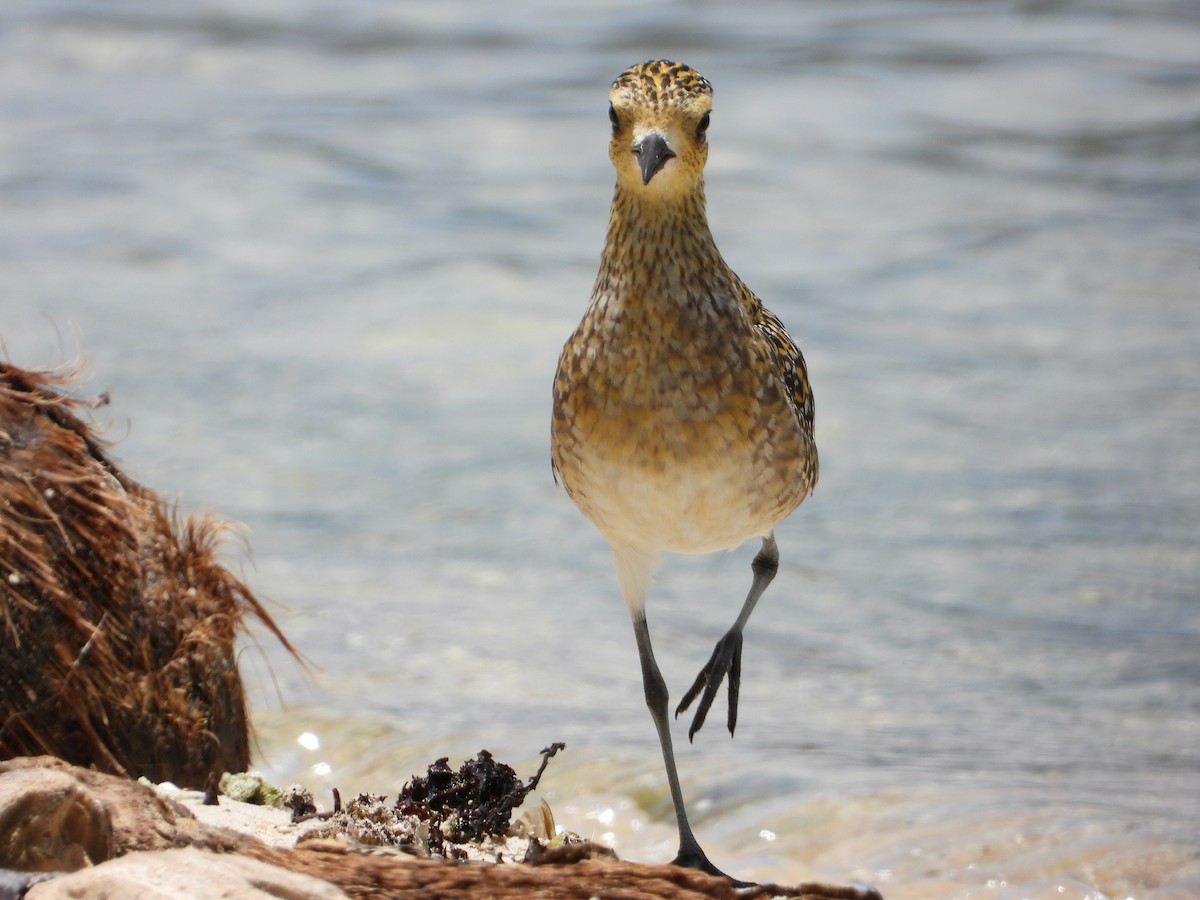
659	247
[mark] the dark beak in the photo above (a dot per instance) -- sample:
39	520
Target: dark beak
652	154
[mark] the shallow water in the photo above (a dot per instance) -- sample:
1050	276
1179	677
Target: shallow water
324	254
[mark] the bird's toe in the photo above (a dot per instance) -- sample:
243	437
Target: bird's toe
726	661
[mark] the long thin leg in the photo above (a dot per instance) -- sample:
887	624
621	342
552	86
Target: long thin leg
690	853
634	568
726	659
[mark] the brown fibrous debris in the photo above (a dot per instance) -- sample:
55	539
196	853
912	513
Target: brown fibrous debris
117	618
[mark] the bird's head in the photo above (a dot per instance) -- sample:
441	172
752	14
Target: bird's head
659	112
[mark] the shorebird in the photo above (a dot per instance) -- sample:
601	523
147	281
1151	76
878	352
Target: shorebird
683	417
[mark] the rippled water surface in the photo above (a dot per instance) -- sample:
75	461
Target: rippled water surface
323	254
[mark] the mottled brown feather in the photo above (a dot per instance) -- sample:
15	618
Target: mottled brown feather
683	416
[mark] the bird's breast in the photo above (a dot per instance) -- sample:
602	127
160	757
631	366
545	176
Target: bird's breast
668	427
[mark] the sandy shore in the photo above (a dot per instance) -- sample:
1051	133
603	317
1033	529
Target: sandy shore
66	831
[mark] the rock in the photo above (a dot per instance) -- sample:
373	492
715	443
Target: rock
116	618
122	839
136	817
49	822
185	872
247	788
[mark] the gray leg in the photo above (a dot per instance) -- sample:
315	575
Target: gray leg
726	657
690	854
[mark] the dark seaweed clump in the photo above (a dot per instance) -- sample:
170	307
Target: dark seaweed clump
466	805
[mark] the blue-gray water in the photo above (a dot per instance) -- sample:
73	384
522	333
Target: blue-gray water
323	254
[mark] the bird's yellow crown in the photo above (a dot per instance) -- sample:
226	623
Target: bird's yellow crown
659	112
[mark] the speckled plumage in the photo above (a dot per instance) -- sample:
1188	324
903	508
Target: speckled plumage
683	418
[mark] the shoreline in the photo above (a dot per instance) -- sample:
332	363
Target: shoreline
66	831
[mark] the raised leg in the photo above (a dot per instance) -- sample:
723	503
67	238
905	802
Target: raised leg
726	659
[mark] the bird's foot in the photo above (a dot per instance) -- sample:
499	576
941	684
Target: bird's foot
694	858
726	660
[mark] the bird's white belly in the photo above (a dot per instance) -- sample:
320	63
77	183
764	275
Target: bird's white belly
684	508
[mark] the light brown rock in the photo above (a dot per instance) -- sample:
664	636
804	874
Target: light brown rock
185	872
49	822
105	816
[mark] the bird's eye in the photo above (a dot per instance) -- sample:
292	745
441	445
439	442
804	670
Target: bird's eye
702	125
612	117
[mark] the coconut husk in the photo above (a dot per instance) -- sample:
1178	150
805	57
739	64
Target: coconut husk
117	620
